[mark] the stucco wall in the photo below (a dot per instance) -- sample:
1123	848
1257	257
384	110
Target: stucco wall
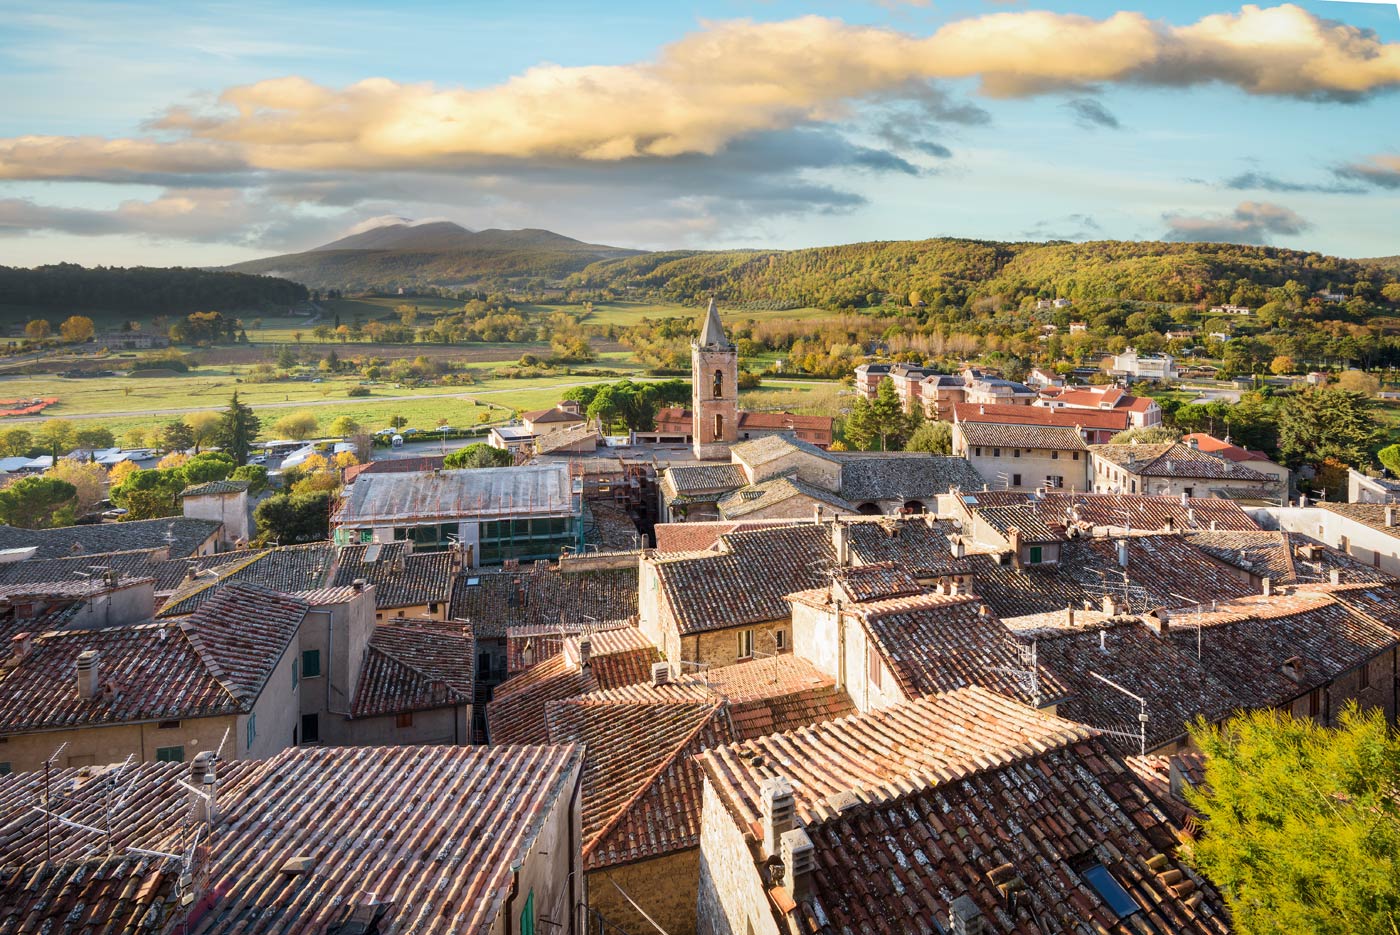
1366	544
437	726
546	868
99	745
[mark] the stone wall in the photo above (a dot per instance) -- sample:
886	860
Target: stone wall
665	887
731	897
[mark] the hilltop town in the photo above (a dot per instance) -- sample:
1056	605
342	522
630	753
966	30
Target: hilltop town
726	677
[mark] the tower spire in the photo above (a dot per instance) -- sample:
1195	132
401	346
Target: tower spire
712	331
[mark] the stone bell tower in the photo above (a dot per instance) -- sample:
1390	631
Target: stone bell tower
714	375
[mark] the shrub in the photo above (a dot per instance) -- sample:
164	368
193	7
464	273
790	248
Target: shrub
357	391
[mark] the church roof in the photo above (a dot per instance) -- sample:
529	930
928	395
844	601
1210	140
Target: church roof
712	331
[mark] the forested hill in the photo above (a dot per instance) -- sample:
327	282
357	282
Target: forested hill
143	289
949	271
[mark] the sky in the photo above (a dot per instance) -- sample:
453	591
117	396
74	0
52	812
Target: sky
205	133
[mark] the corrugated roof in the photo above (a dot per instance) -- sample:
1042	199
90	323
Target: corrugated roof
440	496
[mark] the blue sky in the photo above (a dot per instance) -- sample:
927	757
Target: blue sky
203	133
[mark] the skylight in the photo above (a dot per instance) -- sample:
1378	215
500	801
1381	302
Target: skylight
1109	889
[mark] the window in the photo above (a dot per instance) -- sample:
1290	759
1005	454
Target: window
719	426
252	729
874	667
1314	702
4	769
1037	555
979	452
310	728
1054	456
1015	480
1190	491
168	725
1076	455
1365	675
745	644
296	673
170	754
311	664
527	915
717	384
780	639
483	666
404	720
996	452
1102	882
432	608
1016	452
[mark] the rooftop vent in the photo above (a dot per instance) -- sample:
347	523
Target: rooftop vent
799	861
779	812
1292	668
660	673
965	917
295	866
89	675
585	652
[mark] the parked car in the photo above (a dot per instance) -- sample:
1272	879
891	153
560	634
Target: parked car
115	512
258	459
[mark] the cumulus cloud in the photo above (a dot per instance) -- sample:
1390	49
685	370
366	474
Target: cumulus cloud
1091	114
1252	222
714	86
1381	170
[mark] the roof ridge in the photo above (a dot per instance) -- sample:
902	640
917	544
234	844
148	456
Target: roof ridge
642	788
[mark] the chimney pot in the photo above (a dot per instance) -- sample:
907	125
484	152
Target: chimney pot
203	773
21	644
660	674
358	584
799	858
1185	500
1109	608
585	652
817	513
1069	614
1335	576
1390	516
89	675
779	814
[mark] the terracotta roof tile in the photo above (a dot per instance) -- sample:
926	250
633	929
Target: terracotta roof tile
286	568
180	534
1173	459
697	537
773	491
401	578
987	434
541	595
1008	414
415	666
241	633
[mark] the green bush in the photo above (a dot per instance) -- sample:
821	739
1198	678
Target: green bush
357	391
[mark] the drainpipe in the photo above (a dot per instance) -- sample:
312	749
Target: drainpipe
510	899
840	649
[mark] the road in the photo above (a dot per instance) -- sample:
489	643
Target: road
342	401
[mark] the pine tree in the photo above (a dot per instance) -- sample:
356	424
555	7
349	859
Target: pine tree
1302	824
237	430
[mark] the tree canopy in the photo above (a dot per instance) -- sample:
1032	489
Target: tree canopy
478	455
38	503
1302	822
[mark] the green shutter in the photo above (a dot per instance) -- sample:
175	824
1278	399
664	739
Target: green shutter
527	915
170	754
311	663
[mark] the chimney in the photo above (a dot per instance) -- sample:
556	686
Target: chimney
1159	621
1389	516
1292	668
203	772
1069	614
1191	516
779	814
585	652
1212	525
799	861
1123	553
966	918
841	543
21	645
191	573
817	513
89	680
1266	587
1013	539
1193	443
1185	500
1302	500
1334	576
357	585
959	546
1109	607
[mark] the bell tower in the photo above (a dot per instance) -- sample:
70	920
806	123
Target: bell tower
714	376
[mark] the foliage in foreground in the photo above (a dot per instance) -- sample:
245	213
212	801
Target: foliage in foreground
1302	824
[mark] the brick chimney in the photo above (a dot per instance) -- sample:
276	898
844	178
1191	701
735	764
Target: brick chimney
1013	539
841	542
89	674
21	645
779	813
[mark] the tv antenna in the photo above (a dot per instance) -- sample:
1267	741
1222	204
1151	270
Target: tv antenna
1141	735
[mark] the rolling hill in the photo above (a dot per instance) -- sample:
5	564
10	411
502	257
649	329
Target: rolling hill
438	253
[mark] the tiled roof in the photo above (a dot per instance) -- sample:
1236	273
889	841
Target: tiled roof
771	447
903	476
286	568
241	633
1213	445
401	578
552	414
353	810
933	643
911	807
919	544
153	671
139	563
1163	671
1009	414
415	666
540	595
697	537
749	582
121	893
170	575
181	534
533	643
1376	602
1249	643
770	493
516	713
1141	511
216	488
1170	459
395	466
1285	557
874	582
988	434
789	421
1027	518
885	752
764	696
642	793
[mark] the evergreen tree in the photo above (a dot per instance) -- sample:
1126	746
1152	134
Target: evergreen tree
38	503
237	430
1327	422
859	430
177	436
1302	823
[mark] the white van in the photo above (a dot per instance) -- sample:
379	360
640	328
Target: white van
396	441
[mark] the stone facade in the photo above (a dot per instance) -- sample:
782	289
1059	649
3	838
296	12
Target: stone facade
665	887
731	899
714	375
